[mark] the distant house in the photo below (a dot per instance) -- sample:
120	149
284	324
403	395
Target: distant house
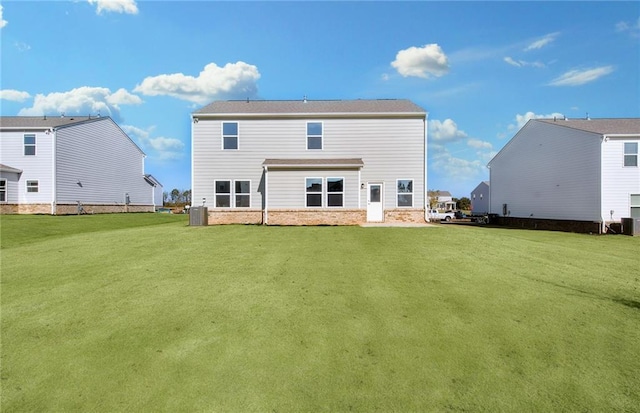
67	165
480	198
307	162
575	174
442	200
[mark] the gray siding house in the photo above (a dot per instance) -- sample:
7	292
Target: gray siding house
325	162
53	165
480	198
583	172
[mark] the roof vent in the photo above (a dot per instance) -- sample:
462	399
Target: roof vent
304	99
62	115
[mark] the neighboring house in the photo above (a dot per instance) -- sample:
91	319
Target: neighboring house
585	171
480	198
442	200
56	165
305	162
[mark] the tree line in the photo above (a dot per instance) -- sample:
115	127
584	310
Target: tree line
177	197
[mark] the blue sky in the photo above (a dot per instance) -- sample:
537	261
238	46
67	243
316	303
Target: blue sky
480	69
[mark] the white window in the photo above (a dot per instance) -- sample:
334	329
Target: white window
30	145
631	154
314	135
335	192
32	186
405	193
3	190
239	193
314	192
635	206
229	135
243	194
223	194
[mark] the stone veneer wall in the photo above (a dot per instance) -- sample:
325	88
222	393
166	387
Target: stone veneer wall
403	215
311	216
316	216
235	217
72	209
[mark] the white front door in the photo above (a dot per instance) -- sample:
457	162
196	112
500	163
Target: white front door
375	209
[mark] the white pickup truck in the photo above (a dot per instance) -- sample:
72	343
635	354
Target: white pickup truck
442	216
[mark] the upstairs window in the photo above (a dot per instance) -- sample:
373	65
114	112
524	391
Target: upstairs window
30	145
32	186
229	135
335	192
314	135
405	192
631	154
314	193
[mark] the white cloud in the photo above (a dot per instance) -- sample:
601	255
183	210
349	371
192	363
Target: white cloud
14	95
81	101
522	63
234	80
22	47
424	62
116	6
632	28
160	147
581	77
522	119
3	22
446	131
540	43
455	168
478	144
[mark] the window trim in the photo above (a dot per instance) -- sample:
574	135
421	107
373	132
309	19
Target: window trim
235	193
231	194
633	206
398	193
215	192
335	193
236	136
3	191
309	135
29	145
306	192
32	184
635	154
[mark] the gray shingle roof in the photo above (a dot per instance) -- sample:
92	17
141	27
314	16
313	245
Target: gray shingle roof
41	122
612	126
311	106
7	168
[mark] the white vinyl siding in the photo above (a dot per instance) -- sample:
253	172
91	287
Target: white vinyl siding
390	148
618	181
97	163
548	171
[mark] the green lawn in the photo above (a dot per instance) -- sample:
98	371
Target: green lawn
142	313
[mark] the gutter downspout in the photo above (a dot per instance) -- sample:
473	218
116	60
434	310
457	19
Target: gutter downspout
265	213
424	190
53	171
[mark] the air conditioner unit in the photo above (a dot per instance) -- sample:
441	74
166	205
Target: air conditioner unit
631	226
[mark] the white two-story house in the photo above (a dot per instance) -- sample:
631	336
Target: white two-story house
578	174
66	165
326	162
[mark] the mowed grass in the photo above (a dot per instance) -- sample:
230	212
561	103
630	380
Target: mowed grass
141	313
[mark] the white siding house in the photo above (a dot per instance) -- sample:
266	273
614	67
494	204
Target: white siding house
575	170
310	162
51	165
480	198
